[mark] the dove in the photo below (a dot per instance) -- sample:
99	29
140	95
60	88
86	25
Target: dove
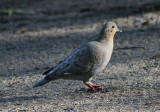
85	61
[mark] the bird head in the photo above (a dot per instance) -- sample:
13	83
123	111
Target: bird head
110	29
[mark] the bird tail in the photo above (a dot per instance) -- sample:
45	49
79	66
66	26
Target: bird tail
41	82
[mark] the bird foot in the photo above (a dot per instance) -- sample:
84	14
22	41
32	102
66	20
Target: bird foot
93	87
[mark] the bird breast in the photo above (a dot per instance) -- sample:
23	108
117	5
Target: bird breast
103	52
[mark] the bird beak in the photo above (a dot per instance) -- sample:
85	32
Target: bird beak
118	30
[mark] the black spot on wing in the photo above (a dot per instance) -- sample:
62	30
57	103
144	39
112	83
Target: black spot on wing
76	65
67	65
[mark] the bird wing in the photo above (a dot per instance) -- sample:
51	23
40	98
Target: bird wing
78	62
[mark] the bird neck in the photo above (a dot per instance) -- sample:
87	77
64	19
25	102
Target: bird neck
105	38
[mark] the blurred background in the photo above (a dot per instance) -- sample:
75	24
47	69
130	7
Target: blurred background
36	34
37	14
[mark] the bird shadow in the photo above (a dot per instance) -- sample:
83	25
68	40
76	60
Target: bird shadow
104	90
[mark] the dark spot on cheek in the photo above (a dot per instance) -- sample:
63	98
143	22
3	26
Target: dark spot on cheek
109	30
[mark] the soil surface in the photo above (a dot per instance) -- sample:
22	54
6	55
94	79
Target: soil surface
36	34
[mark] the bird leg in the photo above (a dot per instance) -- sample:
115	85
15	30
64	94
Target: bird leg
93	87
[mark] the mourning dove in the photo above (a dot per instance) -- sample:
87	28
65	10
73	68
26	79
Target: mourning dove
85	61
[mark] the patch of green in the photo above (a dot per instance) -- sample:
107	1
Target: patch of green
10	12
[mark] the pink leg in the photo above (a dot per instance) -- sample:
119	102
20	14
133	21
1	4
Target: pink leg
93	87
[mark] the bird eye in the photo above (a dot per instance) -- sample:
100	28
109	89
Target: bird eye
113	27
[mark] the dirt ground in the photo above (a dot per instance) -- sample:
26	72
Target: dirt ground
45	31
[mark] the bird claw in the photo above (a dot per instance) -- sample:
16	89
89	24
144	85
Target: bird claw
93	87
